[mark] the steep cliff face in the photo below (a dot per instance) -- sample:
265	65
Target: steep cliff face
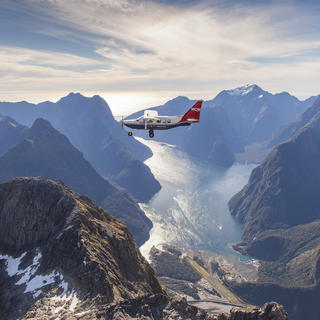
57	245
280	209
47	153
89	124
284	190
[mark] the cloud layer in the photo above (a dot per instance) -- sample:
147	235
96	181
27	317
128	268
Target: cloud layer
124	45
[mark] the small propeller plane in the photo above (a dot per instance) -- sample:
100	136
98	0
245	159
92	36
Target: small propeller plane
152	121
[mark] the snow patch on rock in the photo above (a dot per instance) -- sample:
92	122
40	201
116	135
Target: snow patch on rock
28	277
241	91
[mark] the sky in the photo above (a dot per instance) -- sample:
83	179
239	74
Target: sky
140	53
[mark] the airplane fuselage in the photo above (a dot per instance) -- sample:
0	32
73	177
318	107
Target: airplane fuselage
152	121
158	123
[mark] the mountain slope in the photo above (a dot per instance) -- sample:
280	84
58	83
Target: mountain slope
90	126
280	210
284	185
79	249
11	133
47	153
291	129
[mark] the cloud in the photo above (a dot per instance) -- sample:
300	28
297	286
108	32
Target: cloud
144	44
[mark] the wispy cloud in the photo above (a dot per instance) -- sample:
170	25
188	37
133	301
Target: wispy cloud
147	44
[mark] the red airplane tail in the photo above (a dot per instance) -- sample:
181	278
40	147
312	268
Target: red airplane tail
193	114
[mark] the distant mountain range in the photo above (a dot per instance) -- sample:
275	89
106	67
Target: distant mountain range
45	152
234	119
280	210
89	125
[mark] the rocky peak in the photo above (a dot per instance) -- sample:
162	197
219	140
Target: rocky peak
49	232
245	90
41	125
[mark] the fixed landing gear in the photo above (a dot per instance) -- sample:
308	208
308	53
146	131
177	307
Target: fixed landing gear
130	133
151	134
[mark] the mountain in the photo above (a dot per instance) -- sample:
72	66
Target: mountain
11	133
89	125
255	114
62	251
279	208
61	256
47	153
291	129
234	119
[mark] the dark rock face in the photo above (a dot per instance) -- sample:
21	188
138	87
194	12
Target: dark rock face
284	190
11	133
269	311
84	245
89	125
280	208
47	153
179	309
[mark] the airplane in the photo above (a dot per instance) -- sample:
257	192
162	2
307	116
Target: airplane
152	121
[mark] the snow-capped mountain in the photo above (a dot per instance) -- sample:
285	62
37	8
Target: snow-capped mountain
234	119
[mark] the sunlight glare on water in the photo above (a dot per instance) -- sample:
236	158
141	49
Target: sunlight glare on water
191	209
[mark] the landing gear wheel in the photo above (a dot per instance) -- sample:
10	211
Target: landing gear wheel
129	133
151	134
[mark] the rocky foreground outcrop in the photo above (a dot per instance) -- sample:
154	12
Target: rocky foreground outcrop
59	250
63	257
161	307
